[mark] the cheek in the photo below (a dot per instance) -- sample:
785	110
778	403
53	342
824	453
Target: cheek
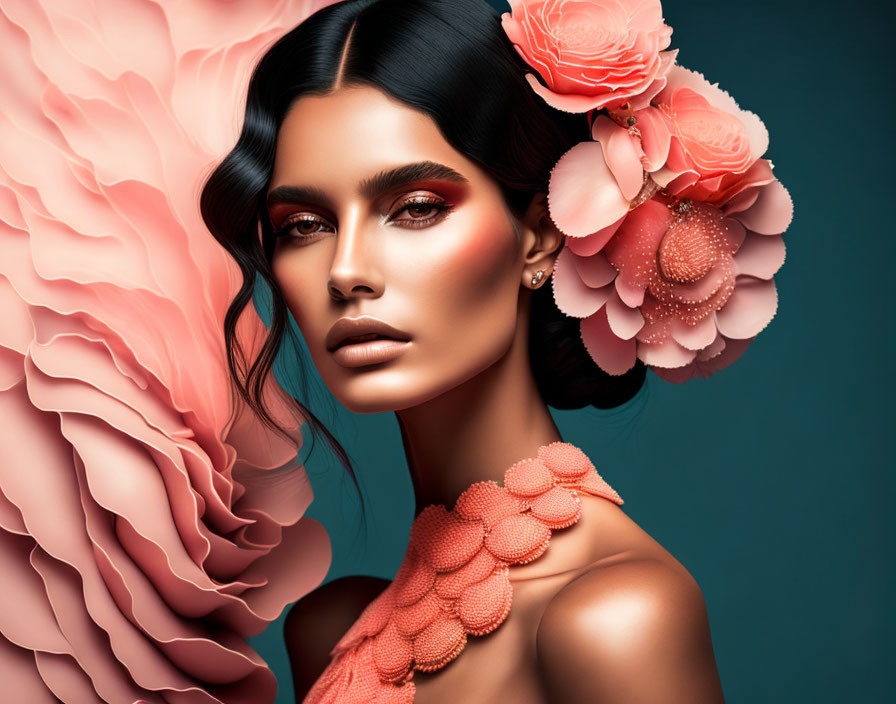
466	282
298	278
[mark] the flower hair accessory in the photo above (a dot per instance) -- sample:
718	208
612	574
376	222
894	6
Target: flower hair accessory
672	218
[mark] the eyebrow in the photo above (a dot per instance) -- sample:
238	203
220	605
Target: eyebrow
372	186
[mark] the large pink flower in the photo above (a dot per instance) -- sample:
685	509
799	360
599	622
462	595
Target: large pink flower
673	225
143	534
592	54
680	285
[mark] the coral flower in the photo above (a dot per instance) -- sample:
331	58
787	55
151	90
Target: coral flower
680	285
713	142
592	53
673	224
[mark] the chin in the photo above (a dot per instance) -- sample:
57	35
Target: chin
381	391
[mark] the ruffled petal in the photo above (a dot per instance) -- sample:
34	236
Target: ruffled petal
175	527
572	295
772	211
750	308
620	154
655	137
694	337
667	353
760	255
591	244
595	271
625	322
611	353
583	195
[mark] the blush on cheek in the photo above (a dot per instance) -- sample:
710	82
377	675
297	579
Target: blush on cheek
478	258
488	256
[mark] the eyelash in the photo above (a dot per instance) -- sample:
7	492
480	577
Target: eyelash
439	205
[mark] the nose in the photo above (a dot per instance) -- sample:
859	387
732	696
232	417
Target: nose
352	273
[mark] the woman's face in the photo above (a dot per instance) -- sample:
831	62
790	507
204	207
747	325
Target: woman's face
380	218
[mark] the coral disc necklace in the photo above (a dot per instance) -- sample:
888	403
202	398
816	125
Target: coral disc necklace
454	581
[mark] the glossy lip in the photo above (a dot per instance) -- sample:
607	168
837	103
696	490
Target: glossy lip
346	328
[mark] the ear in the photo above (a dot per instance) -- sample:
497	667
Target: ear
541	242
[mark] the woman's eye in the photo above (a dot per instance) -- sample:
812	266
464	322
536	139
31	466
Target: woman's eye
421	212
300	228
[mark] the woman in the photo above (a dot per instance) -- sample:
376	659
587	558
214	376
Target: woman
413	186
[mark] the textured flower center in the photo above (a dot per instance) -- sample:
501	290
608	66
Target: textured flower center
690	246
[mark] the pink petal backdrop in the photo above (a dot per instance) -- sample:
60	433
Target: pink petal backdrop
135	560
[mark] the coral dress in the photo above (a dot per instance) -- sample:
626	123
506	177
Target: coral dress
143	535
454	581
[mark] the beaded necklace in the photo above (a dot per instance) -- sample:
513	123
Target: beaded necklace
454	581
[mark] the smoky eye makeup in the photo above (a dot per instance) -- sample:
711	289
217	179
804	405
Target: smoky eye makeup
419	210
414	210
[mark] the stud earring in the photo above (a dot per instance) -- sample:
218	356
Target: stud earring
537	277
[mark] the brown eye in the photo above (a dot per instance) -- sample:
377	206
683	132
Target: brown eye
422	211
306	227
300	228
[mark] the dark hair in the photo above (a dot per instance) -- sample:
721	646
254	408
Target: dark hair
452	60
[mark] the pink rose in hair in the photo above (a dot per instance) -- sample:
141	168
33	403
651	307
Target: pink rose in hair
592	54
714	143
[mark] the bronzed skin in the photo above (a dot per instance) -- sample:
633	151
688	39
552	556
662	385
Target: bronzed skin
606	615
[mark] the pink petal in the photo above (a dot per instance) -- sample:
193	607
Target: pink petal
596	270
609	352
740	202
572	295
583	196
680	181
621	155
630	294
750	308
665	354
570	102
716	348
663	176
695	337
667	60
655	137
730	353
771	213
760	255
734	234
590	244
624	321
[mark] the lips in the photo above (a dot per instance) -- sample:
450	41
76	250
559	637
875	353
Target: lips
347	331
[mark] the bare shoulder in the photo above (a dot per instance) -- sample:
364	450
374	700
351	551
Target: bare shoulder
316	622
632	630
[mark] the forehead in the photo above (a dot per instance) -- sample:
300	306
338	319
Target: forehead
353	132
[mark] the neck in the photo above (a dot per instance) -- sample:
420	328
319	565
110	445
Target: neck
475	431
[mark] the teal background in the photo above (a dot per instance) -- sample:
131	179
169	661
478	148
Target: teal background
772	482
